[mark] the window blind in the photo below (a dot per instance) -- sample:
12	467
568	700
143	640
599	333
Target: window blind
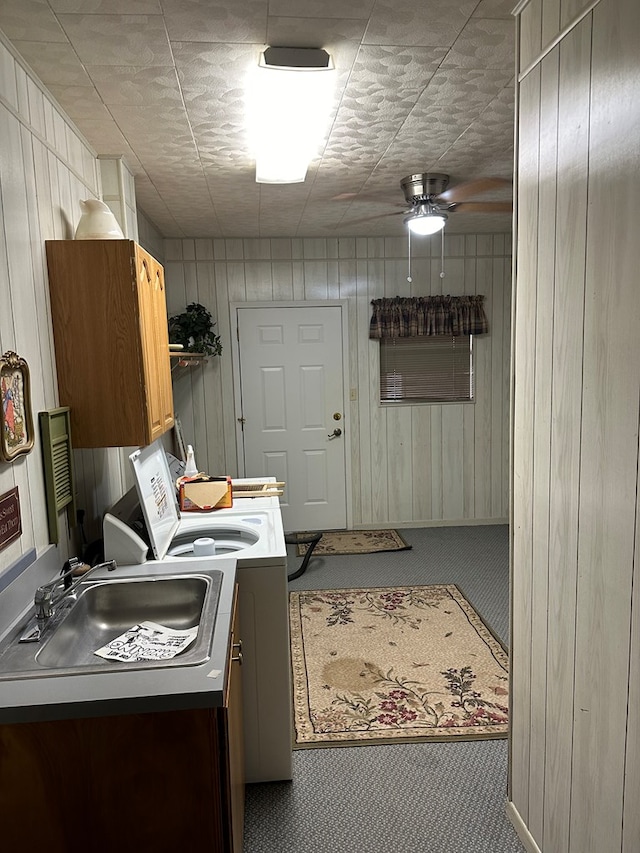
429	369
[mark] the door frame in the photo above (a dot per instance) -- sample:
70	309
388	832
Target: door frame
343	304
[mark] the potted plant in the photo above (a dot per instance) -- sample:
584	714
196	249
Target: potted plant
194	330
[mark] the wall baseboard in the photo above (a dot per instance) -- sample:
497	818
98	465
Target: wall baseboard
523	833
438	522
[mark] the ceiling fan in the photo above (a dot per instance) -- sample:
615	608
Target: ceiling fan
430	201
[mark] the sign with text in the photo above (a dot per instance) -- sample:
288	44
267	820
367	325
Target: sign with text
10	522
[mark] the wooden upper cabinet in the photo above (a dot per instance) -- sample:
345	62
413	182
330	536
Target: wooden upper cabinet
109	317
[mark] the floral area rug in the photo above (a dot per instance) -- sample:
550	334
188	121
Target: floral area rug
356	542
390	664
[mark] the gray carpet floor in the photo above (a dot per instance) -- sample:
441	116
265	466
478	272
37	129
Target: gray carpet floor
438	797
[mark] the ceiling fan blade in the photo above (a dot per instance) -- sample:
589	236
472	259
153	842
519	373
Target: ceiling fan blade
483	207
472	188
369	218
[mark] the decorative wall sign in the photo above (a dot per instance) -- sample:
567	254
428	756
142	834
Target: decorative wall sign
10	520
16	423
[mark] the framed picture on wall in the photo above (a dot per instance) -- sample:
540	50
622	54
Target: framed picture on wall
16	422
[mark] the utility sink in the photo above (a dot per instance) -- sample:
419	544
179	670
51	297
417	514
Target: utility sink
102	610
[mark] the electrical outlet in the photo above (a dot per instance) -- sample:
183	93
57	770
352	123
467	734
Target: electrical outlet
353	395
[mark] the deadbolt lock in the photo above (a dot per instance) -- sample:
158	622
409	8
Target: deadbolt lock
337	416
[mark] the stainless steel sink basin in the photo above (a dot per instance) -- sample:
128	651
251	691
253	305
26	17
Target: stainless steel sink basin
105	609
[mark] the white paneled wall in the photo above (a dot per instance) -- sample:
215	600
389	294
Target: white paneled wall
119	192
422	464
149	237
45	169
575	737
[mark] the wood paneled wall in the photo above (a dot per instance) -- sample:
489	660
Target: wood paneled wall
575	742
46	167
417	464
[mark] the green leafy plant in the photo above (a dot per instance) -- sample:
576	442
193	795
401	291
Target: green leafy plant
194	330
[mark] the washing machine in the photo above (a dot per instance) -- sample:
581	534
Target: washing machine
146	527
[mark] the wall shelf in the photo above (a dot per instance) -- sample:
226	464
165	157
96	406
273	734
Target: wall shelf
186	359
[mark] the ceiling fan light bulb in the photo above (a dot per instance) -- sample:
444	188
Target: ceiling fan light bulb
425	223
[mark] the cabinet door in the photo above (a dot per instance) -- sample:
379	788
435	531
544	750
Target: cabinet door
96	326
155	343
138	782
234	736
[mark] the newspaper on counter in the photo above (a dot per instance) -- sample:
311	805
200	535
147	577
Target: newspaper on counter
148	641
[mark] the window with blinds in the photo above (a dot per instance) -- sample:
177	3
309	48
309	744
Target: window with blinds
426	369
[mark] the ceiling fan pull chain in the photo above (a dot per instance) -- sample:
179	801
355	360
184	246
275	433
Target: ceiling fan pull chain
442	272
409	279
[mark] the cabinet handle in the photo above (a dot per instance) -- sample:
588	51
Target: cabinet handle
237	646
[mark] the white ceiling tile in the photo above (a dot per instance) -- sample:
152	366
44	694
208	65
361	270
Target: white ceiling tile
494	9
79	101
156	208
435	23
30	20
222	21
104	135
54	63
131	86
489	141
146	123
214	68
103	7
314	32
391	68
330	8
484	43
137	40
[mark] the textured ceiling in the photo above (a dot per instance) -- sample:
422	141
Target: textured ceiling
423	85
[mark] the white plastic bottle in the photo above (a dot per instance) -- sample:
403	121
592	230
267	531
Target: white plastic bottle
190	469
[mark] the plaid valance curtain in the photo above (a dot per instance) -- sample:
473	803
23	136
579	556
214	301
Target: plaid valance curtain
408	317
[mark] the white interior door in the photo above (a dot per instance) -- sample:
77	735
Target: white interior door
292	390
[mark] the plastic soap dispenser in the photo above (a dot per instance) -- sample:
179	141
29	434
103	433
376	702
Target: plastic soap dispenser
191	469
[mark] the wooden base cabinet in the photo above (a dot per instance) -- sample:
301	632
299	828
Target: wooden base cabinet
110	329
161	782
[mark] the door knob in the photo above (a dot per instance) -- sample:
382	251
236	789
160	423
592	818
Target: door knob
335	434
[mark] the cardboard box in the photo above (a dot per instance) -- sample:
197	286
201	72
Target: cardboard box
205	494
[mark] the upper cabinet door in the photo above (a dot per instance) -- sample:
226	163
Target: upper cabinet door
111	340
155	342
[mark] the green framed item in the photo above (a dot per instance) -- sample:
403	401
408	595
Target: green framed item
57	457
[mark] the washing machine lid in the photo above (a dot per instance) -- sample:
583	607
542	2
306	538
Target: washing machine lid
157	495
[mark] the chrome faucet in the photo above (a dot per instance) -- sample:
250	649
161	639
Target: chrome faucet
49	595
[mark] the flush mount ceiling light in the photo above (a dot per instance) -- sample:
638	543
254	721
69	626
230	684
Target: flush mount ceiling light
425	219
289	99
